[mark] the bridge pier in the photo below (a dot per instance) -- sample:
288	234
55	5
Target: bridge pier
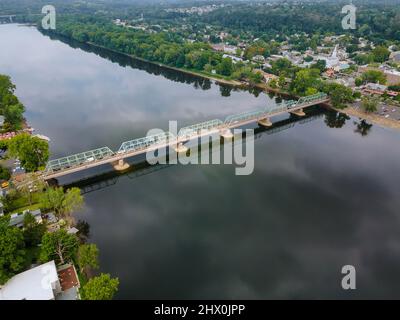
226	133
299	112
265	122
181	148
120	165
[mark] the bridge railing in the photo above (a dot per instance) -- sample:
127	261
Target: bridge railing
198	127
145	142
245	116
78	159
314	97
278	108
165	137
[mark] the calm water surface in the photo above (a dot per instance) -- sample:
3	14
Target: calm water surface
322	194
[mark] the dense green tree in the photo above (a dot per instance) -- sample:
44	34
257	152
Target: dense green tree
358	81
52	199
225	67
59	246
258	48
381	54
308	58
273	83
310	91
283	66
12	253
369	104
10	107
5	173
375	76
255	77
304	79
13	116
102	287
363	59
88	255
338	93
282	81
6	91
32	151
73	201
62	202
33	231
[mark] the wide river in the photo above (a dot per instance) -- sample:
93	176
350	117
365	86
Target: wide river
324	193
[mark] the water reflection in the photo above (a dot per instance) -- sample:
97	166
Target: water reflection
334	119
102	180
319	198
362	127
84	230
152	68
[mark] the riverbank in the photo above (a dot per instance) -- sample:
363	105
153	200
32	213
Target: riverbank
219	79
350	111
373	118
204	75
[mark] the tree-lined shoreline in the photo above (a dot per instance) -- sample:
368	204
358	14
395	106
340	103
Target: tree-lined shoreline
386	123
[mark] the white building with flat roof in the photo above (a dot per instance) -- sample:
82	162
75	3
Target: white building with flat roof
39	283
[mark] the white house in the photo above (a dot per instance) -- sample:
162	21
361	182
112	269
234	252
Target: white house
331	61
259	58
44	282
39	283
234	58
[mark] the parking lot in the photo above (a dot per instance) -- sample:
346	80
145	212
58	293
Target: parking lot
385	110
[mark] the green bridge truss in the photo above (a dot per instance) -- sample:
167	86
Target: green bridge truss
164	137
198	127
145	142
78	159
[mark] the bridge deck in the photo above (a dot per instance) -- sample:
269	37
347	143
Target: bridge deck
90	159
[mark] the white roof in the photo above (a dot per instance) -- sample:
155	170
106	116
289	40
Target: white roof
72	230
376	86
34	284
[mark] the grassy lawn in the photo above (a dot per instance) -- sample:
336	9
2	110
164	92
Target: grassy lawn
21	203
82	278
32	207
